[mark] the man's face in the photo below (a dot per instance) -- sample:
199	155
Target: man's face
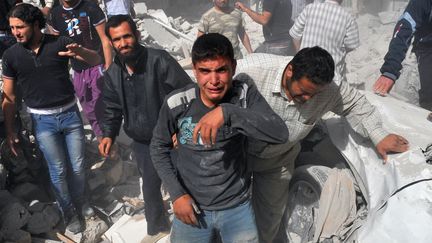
214	78
123	40
222	4
300	90
22	31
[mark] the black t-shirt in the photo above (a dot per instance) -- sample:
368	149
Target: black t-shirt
43	77
278	27
79	24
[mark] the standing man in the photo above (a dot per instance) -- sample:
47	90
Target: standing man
227	21
135	87
415	22
119	7
300	90
209	184
84	22
329	26
38	64
276	22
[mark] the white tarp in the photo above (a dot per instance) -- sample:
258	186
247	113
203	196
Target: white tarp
394	216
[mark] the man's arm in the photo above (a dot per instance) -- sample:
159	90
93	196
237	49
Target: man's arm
106	46
365	119
256	120
113	116
81	53
411	19
160	149
244	37
8	106
297	29
261	19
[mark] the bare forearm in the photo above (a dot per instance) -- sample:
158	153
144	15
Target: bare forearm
246	43
107	50
296	43
9	110
89	56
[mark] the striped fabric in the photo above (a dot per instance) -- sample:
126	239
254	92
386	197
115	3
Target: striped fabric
331	27
267	70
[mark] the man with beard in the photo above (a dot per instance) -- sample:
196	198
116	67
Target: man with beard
84	22
134	89
38	66
227	21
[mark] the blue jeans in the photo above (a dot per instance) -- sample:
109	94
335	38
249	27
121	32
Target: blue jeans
233	225
61	140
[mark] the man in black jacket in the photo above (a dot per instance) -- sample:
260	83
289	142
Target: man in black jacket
415	21
134	90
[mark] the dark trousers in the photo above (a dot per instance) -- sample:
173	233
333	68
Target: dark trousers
424	59
155	212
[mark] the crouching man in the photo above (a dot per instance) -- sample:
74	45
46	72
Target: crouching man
209	184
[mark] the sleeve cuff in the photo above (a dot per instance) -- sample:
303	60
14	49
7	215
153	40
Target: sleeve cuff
377	135
390	76
294	35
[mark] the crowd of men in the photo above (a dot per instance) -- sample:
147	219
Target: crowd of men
224	146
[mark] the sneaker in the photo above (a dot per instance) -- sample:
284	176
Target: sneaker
154	238
87	211
74	225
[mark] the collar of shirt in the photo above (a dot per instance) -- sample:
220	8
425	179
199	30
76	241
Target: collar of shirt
277	84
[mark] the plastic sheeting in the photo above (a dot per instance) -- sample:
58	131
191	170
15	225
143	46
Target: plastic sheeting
399	193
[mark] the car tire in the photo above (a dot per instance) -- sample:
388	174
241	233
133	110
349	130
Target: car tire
303	201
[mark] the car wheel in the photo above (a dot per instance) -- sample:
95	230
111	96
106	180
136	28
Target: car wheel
303	201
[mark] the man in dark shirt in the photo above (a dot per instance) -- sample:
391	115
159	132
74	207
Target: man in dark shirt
84	22
416	21
209	184
135	87
38	65
276	22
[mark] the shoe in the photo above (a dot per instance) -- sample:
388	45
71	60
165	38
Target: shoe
87	211
154	238
74	225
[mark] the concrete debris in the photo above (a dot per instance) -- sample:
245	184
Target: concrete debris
95	228
160	15
186	26
140	10
13	217
158	32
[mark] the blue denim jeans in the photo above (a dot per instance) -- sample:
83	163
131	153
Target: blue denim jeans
61	140
234	225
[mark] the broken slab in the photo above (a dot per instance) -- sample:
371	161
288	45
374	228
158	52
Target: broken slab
95	228
140	10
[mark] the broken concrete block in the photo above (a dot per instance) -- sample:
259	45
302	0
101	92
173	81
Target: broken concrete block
29	192
185	26
13	216
95	228
160	15
159	33
140	10
17	236
42	222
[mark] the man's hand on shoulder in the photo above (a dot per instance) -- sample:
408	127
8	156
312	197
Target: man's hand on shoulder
184	210
392	143
208	127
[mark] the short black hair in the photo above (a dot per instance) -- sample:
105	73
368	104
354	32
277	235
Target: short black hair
313	63
28	14
116	20
211	46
